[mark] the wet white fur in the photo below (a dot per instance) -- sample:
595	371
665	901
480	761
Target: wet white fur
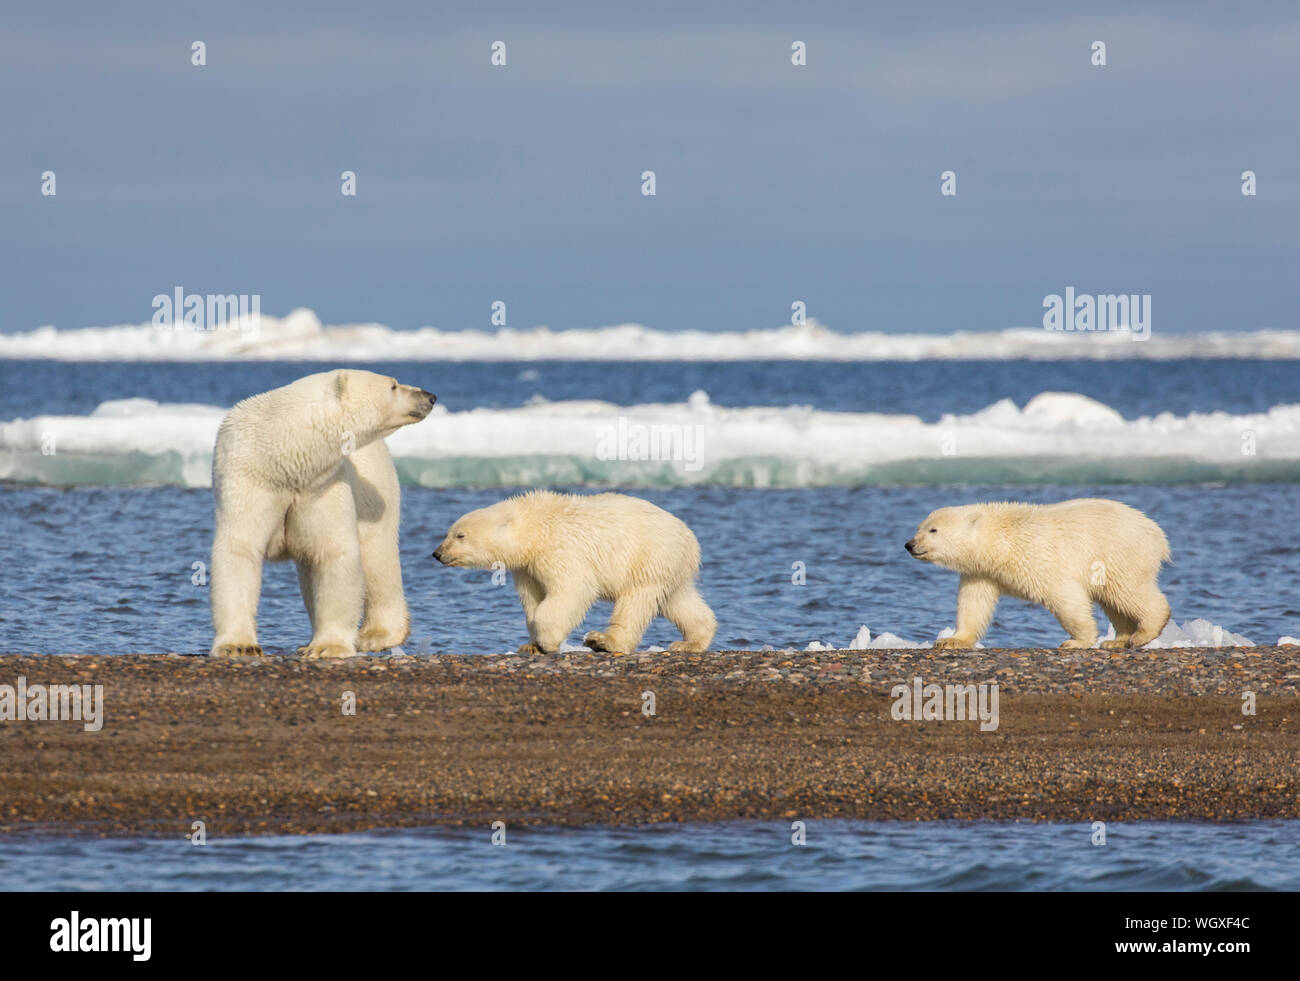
302	473
1064	556
567	551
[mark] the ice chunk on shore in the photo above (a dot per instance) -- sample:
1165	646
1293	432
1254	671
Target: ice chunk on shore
893	642
1195	633
1288	642
884	642
140	442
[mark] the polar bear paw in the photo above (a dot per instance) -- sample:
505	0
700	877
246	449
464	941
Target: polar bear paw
238	650
380	638
528	650
954	644
686	647
1117	644
601	642
1074	644
321	652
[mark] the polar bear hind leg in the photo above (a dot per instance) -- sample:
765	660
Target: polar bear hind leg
243	531
689	613
1124	626
1152	612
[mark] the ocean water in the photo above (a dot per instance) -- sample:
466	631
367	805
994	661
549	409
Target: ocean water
824	467
110	570
803	460
748	856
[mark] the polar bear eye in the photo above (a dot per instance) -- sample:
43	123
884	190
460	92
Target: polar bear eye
394	388
934	531
461	535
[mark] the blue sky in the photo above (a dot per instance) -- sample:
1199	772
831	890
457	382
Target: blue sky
775	183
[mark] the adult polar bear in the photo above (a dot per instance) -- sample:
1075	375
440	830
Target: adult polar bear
302	473
1064	556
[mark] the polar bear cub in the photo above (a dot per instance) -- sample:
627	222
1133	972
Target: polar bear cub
1064	556
566	551
302	473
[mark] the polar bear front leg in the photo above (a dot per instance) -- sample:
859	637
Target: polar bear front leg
632	614
245	522
977	598
387	621
555	618
531	593
321	534
378	498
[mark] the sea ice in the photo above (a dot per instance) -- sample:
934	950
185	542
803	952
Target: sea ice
1195	633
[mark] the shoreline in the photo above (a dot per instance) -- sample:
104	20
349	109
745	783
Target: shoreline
262	745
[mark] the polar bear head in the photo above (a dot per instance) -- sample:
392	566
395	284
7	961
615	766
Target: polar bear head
484	537
948	537
374	406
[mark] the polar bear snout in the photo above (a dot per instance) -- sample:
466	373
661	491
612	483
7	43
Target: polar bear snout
421	402
913	549
446	551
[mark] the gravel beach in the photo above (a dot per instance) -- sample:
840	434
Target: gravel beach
264	745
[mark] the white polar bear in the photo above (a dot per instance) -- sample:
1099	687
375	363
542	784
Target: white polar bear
1064	556
302	473
566	551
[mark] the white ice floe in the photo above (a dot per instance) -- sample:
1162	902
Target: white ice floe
1057	437
1288	642
301	336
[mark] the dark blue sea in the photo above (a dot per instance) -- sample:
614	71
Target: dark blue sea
826	466
838	855
830	465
